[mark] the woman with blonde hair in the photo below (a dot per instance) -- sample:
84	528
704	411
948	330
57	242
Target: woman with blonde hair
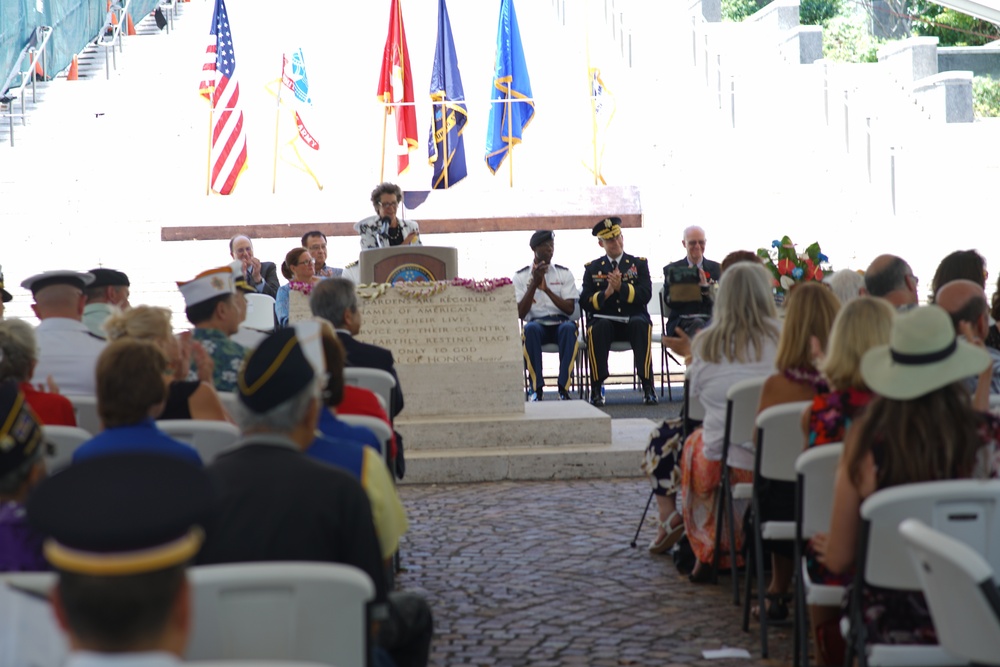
740	343
810	309
186	399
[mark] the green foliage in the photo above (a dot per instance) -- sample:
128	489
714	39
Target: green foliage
818	12
950	27
986	97
846	39
737	10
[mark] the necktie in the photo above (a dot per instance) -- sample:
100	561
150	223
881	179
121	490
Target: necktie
614	265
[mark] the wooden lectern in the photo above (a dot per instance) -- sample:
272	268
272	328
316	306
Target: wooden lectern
407	263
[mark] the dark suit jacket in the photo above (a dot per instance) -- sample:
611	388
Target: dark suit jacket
630	300
365	355
275	503
269	275
679	310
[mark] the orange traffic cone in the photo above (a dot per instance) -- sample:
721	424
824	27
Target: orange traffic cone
39	72
73	73
131	26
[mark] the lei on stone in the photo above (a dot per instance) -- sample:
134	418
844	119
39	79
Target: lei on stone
421	291
789	268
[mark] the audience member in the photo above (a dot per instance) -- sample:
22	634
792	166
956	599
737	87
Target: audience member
298	268
315	243
339	447
67	351
861	324
106	296
122	530
261	276
810	309
847	284
686	285
965	301
22	467
278	504
891	278
616	289
993	337
186	399
959	265
740	343
737	256
132	379
5	296
546	297
386	228
920	427
18	357
212	307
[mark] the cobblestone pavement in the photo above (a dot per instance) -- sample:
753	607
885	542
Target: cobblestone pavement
541	573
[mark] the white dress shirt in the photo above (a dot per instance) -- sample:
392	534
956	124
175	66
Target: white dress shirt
68	352
559	279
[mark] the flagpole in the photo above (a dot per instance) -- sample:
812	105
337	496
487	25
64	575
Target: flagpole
208	172
444	123
593	99
381	169
277	120
510	138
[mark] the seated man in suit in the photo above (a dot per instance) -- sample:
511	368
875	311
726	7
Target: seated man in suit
336	301
122	596
276	503
546	294
686	286
261	276
616	289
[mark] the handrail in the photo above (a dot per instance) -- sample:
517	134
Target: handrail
34	50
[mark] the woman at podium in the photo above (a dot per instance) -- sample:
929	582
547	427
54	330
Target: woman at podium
386	228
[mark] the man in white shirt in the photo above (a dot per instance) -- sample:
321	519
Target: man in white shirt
546	296
67	350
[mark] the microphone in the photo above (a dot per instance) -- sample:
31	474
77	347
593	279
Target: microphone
385	222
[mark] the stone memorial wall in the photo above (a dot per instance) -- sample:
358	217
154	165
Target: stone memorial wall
457	351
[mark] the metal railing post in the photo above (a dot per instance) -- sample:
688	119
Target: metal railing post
868	148
847	127
892	177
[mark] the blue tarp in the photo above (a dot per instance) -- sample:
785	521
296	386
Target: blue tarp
74	24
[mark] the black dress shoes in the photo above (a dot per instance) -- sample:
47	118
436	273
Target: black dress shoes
564	395
649	398
597	400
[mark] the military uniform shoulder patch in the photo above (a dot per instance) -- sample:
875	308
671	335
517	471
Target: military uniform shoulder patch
560	266
352	264
527	268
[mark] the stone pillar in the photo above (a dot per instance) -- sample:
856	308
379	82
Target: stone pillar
946	97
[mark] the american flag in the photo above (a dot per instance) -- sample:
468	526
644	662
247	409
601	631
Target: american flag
220	86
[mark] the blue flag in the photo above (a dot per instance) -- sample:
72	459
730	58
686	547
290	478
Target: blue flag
511	109
445	145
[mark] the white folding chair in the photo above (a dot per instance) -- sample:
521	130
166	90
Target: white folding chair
994	401
742	400
260	312
816	469
64	440
209	438
961	591
968	510
281	611
379	381
382	430
85	409
779	443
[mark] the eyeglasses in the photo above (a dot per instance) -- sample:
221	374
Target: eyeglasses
388	204
317	246
701	243
305	262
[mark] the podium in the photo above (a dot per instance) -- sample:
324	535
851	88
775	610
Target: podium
407	263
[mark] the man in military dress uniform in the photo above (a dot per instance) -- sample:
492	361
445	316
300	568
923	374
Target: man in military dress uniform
616	289
546	294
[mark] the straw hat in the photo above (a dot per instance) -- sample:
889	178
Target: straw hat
923	354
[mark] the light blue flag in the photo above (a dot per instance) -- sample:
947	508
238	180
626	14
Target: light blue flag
512	108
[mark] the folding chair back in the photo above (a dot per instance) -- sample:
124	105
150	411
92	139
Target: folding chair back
85	408
742	400
210	438
374	379
961	592
64	440
260	312
381	430
780	440
816	469
281	611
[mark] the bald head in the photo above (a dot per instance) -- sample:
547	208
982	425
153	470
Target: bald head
891	278
965	301
694	243
59	301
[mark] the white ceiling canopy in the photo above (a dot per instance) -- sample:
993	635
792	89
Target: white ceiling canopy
987	10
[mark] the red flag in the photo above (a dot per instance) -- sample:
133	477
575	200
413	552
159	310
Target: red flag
395	86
